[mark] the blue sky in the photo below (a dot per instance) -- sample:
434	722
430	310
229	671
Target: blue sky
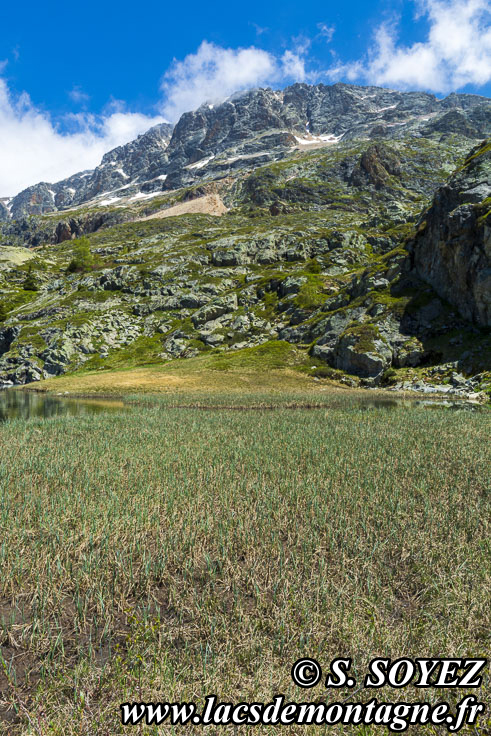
77	79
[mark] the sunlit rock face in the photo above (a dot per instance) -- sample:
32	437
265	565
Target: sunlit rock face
253	128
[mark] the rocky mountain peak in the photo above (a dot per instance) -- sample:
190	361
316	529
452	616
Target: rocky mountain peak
250	129
120	166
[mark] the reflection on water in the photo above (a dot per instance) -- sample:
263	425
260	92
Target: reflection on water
393	403
24	405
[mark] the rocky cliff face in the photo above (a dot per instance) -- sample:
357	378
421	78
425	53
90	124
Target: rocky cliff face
452	250
255	128
262	125
136	161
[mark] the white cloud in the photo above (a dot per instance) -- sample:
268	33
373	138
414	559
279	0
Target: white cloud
214	73
33	149
456	51
327	32
260	29
293	66
78	95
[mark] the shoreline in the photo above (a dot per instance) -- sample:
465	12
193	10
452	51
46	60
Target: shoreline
382	394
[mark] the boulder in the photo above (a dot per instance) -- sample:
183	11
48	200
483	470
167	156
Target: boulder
360	350
351	357
291	285
411	353
215	309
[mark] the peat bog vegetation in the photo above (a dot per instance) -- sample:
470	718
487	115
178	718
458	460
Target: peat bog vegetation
167	553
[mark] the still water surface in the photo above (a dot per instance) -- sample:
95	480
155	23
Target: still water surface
24	405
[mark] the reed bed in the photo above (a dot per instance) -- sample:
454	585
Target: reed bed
166	553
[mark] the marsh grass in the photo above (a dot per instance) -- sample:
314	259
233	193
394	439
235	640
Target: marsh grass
167	553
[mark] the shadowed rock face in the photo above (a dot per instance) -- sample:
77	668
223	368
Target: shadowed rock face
452	250
453	121
253	128
375	167
7	337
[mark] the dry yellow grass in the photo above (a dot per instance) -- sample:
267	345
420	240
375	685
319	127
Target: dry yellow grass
173	379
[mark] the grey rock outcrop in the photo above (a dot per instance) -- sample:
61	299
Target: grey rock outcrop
215	309
452	250
31	232
375	167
